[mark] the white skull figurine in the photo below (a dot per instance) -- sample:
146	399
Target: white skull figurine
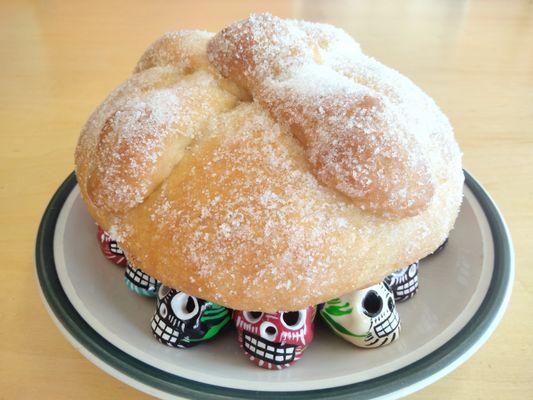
366	318
404	282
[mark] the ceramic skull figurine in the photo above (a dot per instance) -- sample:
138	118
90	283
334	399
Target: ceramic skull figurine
140	282
110	248
404	282
274	340
366	318
183	321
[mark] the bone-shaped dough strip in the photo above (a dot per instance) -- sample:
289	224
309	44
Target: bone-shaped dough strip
357	140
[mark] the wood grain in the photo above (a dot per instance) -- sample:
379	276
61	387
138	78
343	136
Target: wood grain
58	60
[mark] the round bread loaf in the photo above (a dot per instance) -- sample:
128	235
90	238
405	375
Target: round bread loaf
269	167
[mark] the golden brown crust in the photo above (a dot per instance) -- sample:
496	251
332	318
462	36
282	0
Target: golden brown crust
229	179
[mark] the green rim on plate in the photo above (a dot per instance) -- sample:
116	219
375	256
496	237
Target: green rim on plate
163	381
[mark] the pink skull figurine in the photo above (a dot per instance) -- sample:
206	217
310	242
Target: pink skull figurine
111	249
274	340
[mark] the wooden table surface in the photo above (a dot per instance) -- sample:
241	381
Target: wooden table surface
58	60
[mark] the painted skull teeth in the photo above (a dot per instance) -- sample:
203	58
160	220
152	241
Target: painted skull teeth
403	283
141	279
165	333
388	326
140	282
265	350
113	246
407	290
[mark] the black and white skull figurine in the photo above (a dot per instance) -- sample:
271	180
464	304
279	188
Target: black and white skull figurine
366	318
183	321
140	282
404	282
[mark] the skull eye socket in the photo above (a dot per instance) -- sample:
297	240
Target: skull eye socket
184	306
191	304
268	331
372	304
293	319
252	316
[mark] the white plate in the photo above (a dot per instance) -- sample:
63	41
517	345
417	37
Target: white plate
463	293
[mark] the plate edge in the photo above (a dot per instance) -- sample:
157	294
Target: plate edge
413	377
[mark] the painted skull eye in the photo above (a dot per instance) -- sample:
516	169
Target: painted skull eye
293	319
252	316
268	331
184	306
163	310
391	304
372	304
412	270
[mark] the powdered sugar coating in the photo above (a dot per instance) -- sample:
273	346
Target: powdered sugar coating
134	139
353	126
190	54
145	137
267	190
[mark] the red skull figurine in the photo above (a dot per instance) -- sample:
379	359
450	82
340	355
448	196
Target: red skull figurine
276	340
111	249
